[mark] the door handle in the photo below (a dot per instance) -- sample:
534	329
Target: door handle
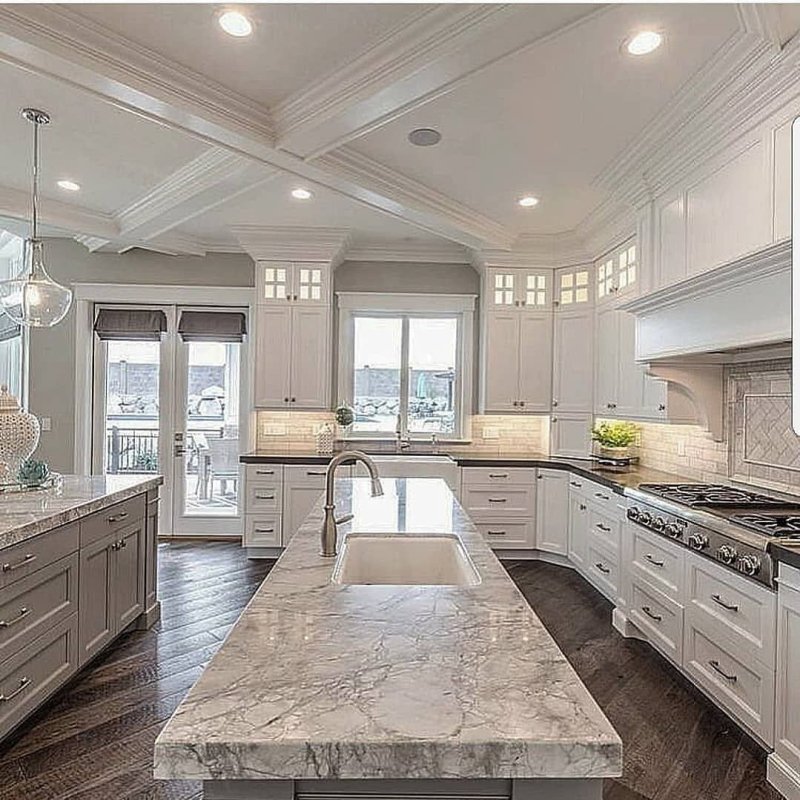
179	450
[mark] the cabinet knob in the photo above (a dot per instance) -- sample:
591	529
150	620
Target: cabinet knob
294	399
662	407
285	399
522	402
555	403
554	420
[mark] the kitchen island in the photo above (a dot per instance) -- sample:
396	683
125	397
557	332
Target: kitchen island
334	689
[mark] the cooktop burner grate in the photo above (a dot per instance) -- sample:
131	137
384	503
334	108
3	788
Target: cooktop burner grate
783	526
710	495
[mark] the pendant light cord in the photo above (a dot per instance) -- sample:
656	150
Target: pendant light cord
35	204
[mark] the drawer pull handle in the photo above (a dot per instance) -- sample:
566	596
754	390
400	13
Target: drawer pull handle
497	499
265	496
605	570
316	473
575	484
265	472
264	530
29	558
647	610
655	562
498	474
602	496
23	612
718	669
603	527
117	517
582	506
23	684
720	602
495	533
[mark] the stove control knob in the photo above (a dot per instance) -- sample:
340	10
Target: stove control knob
659	524
697	541
750	565
645	517
634	513
673	530
727	554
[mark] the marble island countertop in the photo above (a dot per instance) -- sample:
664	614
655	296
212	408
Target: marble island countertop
323	680
24	515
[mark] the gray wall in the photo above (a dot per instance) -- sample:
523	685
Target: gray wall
52	351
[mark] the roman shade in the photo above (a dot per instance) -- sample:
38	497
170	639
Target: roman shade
140	324
8	328
212	326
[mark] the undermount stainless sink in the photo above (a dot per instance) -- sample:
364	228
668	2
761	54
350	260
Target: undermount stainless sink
404	560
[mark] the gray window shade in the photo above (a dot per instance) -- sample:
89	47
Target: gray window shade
212	326
8	330
141	324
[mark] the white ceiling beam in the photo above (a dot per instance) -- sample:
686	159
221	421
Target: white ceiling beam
56	41
422	59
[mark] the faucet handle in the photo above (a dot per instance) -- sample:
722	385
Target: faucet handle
346	518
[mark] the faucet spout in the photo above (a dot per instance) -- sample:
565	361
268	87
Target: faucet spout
329	530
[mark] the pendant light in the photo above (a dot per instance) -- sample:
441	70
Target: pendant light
33	298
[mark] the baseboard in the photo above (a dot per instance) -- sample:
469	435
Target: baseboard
264	552
783	777
533	555
149	617
624	627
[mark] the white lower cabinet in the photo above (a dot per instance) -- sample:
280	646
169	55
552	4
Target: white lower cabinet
578	534
552	511
262	505
783	766
303	484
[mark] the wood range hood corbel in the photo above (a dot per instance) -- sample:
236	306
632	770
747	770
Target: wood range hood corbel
739	312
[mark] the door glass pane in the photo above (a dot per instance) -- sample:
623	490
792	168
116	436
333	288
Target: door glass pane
211	459
376	364
432	349
131	419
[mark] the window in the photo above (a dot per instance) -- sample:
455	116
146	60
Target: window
12	338
406	367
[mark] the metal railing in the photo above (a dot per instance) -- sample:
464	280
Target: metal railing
131	450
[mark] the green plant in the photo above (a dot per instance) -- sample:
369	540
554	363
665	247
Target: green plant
344	415
33	473
615	434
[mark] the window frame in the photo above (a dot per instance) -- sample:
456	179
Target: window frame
407	306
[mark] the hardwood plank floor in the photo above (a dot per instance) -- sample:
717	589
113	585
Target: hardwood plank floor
94	741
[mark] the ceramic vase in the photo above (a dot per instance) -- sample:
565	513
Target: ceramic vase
19	435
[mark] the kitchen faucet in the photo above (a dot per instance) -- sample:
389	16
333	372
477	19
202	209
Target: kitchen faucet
328	532
402	442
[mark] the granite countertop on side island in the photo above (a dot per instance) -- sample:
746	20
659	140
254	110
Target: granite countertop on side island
24	515
325	680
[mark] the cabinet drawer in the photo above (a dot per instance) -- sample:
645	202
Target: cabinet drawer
307	475
269	474
605	528
739	609
497	476
658	616
603	570
260	498
36	671
657	561
23	559
746	691
580	486
31	606
262	530
112	519
507	533
504	501
602	497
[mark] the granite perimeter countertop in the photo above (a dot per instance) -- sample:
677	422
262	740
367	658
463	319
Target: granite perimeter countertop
322	680
616	481
24	515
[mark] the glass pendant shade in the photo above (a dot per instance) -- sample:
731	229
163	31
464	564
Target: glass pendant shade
33	298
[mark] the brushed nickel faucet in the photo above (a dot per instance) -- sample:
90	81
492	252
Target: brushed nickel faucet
329	531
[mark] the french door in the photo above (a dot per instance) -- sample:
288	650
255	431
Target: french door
175	404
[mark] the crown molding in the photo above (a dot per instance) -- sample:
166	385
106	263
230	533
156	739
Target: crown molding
290	243
419	201
606	226
413	252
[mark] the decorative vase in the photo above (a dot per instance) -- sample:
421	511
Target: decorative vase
615	452
19	434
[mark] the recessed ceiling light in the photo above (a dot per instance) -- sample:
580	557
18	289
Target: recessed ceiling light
69	186
235	23
529	201
643	43
302	194
424	137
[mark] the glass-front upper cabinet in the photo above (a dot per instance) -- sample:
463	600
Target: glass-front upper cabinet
573	287
302	282
617	271
519	288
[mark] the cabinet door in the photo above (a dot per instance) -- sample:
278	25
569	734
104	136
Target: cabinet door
129	560
535	362
501	374
578	529
501	288
534	290
552	511
311	358
630	375
96	597
311	283
571	435
303	485
273	334
274	282
151	551
606	367
787	694
573	361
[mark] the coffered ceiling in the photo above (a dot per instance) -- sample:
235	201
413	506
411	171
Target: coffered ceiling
177	132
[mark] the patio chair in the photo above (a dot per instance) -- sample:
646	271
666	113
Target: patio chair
223	464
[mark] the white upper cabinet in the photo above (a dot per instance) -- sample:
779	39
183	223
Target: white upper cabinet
302	282
573	288
617	273
782	182
524	289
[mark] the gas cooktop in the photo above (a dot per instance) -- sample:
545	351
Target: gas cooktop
779	524
711	495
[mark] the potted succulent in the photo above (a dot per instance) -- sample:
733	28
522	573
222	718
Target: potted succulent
615	439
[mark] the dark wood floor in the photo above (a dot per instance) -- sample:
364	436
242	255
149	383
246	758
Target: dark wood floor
95	740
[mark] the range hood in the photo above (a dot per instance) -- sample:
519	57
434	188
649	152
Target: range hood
741	311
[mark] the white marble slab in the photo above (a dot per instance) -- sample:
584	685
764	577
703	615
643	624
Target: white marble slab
27	514
321	680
